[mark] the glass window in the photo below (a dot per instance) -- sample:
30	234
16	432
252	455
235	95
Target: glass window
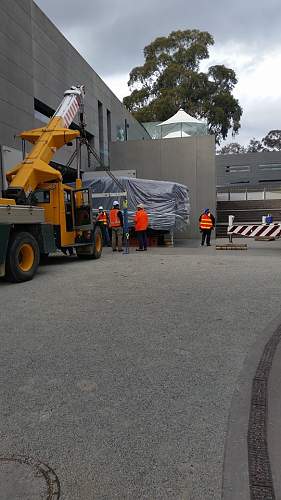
67	196
237	196
273	195
41	196
237	169
42	118
222	196
255	195
270	166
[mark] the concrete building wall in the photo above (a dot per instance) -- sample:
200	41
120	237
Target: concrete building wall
16	70
189	161
249	169
36	61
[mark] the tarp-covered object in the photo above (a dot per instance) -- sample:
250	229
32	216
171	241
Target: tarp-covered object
167	203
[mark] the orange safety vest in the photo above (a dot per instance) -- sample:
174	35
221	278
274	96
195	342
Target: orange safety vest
102	218
141	220
205	222
113	217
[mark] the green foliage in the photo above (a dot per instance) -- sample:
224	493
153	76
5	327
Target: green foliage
232	148
170	78
255	146
271	142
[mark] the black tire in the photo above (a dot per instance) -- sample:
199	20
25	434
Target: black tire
93	251
23	257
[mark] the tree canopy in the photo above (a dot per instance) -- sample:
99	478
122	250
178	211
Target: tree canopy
171	78
271	142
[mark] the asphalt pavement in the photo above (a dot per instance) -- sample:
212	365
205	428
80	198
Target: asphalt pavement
119	374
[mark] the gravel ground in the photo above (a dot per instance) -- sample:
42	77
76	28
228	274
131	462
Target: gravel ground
119	373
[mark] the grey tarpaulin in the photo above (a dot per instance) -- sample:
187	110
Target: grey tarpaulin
167	203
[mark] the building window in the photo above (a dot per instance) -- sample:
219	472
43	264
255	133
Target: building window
240	182
270	166
234	169
268	181
120	133
108	114
42	112
108	122
39	116
101	135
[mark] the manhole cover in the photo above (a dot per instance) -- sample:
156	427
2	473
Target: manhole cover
23	478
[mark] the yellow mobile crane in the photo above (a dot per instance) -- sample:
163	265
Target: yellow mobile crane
38	213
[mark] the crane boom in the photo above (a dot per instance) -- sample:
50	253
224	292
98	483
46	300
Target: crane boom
34	170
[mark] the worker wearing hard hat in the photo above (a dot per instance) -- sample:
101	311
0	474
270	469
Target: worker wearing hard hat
116	224
206	224
102	221
141	224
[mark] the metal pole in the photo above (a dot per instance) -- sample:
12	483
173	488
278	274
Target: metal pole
230	223
78	151
23	148
126	226
89	158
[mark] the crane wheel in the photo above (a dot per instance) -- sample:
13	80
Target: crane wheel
93	251
97	242
22	257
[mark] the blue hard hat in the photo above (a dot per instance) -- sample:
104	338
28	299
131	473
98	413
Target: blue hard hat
207	210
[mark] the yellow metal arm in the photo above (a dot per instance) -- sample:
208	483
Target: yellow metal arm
35	169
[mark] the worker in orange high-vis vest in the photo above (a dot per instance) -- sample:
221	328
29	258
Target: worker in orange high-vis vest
206	224
116	224
141	225
102	220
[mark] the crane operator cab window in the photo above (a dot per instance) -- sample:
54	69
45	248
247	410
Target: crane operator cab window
83	208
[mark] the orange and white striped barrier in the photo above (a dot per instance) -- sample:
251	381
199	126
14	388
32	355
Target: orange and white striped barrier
272	230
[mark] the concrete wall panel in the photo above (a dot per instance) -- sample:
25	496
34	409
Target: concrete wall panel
189	161
36	60
16	117
20	99
14	27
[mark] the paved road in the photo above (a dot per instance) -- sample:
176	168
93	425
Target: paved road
119	373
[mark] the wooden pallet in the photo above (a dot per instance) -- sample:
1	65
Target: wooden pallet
232	246
265	238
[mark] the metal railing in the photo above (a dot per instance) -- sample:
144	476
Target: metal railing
248	193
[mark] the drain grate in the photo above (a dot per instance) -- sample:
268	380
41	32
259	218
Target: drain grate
260	476
24	477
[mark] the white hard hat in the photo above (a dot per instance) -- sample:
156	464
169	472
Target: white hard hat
140	205
115	203
100	208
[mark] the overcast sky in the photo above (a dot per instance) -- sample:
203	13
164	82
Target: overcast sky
111	35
